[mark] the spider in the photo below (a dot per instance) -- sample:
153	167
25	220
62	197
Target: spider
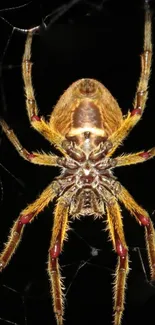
86	126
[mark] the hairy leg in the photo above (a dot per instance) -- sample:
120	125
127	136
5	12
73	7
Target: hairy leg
37	122
60	228
134	158
116	234
143	218
26	216
33	157
142	90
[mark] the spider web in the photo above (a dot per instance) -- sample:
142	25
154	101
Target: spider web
77	38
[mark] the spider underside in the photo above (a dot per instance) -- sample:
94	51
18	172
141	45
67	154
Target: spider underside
86	126
90	180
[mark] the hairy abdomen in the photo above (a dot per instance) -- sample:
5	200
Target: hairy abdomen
85	111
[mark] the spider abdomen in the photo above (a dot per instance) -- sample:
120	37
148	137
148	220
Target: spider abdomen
86	107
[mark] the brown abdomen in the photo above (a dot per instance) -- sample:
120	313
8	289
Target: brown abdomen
86	106
87	114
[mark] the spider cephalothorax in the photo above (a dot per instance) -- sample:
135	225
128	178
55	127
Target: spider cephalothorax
86	126
90	173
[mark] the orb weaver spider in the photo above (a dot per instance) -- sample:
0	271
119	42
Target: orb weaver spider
86	126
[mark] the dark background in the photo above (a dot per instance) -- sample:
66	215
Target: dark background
102	40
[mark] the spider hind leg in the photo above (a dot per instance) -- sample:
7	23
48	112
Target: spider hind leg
142	90
36	121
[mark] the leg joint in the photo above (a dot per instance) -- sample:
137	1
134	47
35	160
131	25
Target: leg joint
144	221
26	218
120	249
56	249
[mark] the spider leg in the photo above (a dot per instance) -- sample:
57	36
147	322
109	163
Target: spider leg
33	157
142	90
115	228
58	235
134	158
37	122
143	218
26	216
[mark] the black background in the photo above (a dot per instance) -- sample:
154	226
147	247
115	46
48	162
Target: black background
102	40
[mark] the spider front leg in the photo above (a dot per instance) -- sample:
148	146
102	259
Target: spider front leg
37	122
26	216
33	157
116	233
60	227
142	90
143	218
